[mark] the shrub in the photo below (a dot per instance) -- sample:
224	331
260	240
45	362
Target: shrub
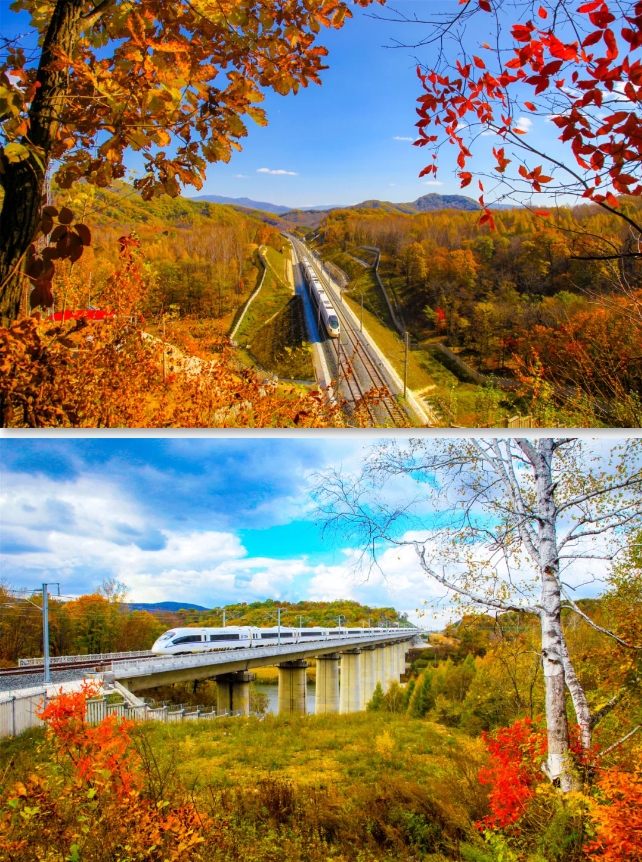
90	798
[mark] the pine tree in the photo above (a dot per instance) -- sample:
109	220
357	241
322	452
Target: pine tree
407	694
422	700
377	702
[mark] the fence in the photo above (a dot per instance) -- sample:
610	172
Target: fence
337	274
521	422
397	317
19	713
476	376
251	298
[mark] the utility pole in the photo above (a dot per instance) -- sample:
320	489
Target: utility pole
45	630
278	611
405	364
361	319
223	617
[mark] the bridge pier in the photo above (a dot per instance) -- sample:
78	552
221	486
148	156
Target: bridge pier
327	689
379	666
389	666
233	692
350	692
292	686
367	675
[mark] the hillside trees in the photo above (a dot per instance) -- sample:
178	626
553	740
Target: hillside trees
515	517
171	81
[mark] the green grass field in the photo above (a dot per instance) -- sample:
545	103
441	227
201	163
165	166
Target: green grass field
364	787
272	333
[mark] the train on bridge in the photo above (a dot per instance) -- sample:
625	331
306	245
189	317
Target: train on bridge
324	307
180	641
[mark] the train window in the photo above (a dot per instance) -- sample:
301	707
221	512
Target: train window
309	634
354	632
188	639
225	637
270	635
334	321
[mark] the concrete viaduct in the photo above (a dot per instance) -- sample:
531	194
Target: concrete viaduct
364	661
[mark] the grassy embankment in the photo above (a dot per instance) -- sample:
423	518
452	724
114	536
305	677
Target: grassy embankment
273	332
367	786
439	382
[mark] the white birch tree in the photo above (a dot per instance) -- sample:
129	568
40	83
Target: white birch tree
503	524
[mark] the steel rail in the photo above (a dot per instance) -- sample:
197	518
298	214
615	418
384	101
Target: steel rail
360	351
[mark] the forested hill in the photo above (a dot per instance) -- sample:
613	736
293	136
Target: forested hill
123	205
308	613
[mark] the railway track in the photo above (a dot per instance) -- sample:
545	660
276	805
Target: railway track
54	668
358	371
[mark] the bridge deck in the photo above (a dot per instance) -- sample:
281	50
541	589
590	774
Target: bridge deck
137	675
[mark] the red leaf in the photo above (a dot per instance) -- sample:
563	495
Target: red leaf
592	38
485	5
530	106
612	200
479	63
542	12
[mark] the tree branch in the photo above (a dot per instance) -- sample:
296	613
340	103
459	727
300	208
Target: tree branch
619	742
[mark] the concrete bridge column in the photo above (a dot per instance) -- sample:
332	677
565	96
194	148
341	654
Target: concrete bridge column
368	675
399	659
327	697
388	666
233	692
380	675
350	693
292	686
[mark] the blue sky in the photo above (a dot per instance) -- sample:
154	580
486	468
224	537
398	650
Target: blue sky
210	521
350	139
205	521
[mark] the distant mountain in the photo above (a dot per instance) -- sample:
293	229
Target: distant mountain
426	203
244	202
164	606
261	205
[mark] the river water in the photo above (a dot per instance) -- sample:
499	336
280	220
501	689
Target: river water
272	692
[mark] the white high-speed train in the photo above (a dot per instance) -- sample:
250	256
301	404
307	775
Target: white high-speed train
190	640
325	309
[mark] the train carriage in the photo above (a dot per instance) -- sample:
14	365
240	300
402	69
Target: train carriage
324	307
182	641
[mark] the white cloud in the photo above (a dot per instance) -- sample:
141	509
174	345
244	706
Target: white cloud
433	183
524	123
402	138
392	184
241	176
276	173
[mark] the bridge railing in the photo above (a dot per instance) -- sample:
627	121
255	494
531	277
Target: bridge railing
102	656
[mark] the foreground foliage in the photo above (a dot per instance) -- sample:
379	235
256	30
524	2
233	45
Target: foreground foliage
367	786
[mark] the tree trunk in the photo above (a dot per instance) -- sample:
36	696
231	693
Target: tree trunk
558	765
23	182
580	703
